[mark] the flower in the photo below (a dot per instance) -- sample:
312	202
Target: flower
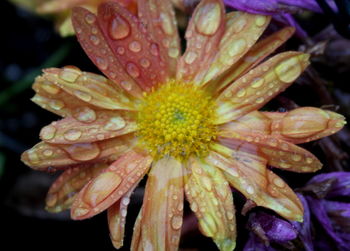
190	122
61	9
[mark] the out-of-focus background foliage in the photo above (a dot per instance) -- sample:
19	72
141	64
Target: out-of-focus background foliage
30	43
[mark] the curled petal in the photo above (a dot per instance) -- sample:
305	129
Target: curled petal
252	58
164	30
89	126
203	35
136	236
248	174
96	47
305	124
116	219
49	157
126	36
277	152
241	32
211	200
108	187
261	84
163	195
89	87
63	191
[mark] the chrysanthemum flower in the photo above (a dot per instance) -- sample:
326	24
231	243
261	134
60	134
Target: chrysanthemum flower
190	122
62	9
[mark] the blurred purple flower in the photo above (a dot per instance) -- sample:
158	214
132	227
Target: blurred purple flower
279	9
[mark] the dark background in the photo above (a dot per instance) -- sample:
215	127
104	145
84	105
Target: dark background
28	44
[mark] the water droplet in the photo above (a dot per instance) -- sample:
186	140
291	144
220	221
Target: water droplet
47	152
94	30
115	123
278	182
296	157
84	114
258	82
154	49
125	201
83	95
126	85
190	57
288	70
309	160
173	52
72	134
90	18
237	47
101	63
145	63
119	28
69	74
135	46
259	100
194	206
241	93
239	24
132	69
229	215
285	165
166	23
207	18
48	132
51	89
94	39
250	190
207	183
272	142
56	104
260	20
176	222
83	152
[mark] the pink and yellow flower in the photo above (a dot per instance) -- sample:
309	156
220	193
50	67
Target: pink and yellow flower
190	123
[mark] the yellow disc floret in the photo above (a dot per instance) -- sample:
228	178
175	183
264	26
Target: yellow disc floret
176	119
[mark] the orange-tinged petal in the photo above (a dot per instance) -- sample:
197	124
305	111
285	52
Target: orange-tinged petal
241	32
211	200
162	208
56	6
253	57
136	236
49	157
279	153
89	87
108	187
63	191
164	30
117	218
203	35
248	174
96	47
94	127
305	124
261	84
139	56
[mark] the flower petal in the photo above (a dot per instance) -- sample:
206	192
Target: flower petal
253	57
94	127
211	200
162	208
49	157
277	152
116	219
136	236
248	174
305	124
56	6
163	30
139	55
63	191
96	47
261	84
241	32
107	188
89	87
203	35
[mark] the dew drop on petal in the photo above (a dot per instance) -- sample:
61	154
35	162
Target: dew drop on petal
241	93
72	134
48	132
56	104
278	182
94	39
132	69
260	20
207	19
101	63
166	23
176	222
173	52
237	47
154	49
115	123
296	157
190	57
47	152
119	28
259	100
84	114
145	63
83	152
90	18
135	46
51	89
258	82
288	70
126	85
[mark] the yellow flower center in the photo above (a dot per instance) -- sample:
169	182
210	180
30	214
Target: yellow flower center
176	119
